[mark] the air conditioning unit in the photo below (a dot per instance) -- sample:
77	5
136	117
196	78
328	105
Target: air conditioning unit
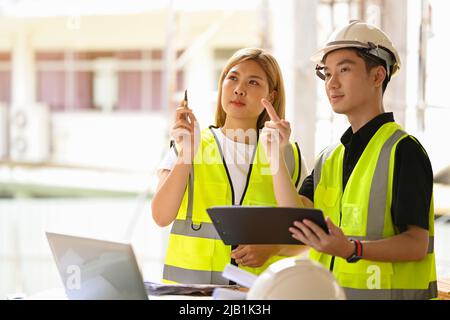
3	132
105	84
29	133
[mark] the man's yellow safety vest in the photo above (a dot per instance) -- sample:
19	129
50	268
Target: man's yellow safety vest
195	253
363	211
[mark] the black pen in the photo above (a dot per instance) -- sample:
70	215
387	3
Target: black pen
185	101
184	104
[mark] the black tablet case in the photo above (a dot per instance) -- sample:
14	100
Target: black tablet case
260	225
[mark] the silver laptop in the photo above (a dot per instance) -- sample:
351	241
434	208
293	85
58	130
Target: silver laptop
97	269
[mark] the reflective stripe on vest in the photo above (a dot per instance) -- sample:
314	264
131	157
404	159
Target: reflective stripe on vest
398	280
202	233
392	294
378	189
320	161
188	228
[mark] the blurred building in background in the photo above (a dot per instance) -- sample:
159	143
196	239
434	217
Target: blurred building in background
88	90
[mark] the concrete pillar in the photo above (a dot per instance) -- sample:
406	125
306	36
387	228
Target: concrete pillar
411	69
169	72
3	131
23	84
395	25
199	80
294	41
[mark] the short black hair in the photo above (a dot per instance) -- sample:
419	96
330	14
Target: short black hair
371	62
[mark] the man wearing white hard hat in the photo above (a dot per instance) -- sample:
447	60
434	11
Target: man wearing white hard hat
374	187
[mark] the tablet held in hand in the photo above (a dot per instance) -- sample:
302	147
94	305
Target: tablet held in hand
260	225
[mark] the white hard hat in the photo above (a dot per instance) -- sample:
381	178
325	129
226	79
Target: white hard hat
296	279
367	37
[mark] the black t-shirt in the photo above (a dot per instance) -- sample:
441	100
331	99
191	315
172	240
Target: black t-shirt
413	175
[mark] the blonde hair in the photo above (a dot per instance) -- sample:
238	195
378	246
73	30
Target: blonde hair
274	77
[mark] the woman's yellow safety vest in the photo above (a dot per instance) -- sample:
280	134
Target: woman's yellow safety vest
363	211
195	253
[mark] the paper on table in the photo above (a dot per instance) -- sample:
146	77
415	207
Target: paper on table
158	289
227	294
239	276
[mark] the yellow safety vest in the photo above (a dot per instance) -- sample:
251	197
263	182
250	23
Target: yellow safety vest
363	211
195	253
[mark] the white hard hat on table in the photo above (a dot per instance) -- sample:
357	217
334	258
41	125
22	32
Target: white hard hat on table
296	279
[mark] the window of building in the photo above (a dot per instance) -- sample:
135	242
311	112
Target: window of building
102	80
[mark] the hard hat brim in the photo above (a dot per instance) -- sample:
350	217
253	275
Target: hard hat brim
318	56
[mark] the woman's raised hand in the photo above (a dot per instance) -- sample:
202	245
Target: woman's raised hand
186	133
276	132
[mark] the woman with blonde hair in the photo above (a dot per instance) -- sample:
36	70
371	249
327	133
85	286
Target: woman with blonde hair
222	165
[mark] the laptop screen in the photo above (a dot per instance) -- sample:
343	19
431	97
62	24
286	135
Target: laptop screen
97	269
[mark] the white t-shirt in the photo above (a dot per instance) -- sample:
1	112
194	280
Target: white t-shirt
237	157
